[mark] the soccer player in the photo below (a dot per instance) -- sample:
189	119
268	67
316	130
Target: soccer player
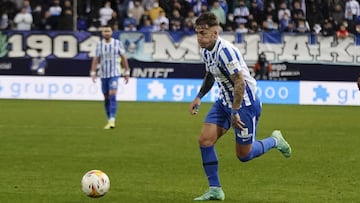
38	63
358	82
107	54
237	105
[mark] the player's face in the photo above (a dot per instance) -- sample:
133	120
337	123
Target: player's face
206	36
107	32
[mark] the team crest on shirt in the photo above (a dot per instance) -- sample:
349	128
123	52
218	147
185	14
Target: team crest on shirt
214	69
232	65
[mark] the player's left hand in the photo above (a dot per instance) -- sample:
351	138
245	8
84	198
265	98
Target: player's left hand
126	78
93	77
236	122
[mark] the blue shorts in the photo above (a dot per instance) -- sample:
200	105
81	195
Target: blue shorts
249	115
108	84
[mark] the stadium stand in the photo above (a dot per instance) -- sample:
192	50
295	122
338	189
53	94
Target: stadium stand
324	17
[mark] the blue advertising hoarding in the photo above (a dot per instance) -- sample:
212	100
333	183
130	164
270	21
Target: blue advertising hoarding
282	92
185	90
175	90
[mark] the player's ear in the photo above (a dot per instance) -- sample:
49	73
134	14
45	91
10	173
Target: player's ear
216	31
215	34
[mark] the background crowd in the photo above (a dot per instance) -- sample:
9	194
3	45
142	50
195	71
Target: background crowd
327	17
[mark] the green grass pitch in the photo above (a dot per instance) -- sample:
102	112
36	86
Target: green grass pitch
152	156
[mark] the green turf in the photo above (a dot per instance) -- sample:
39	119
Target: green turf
152	156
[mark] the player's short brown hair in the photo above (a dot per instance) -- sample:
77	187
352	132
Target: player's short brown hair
207	20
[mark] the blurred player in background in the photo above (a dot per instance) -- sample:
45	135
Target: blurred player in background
262	68
107	54
38	63
238	105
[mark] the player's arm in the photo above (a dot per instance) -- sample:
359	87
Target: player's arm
125	65
358	82
94	63
207	84
239	88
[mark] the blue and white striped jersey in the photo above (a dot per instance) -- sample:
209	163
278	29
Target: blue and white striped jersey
225	59
109	55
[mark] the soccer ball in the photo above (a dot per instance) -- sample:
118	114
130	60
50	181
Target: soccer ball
95	183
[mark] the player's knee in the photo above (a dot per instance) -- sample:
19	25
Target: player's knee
243	152
113	92
244	155
206	141
245	158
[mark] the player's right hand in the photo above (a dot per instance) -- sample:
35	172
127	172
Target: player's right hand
194	106
236	121
93	76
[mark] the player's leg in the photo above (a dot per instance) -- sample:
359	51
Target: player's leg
109	89
246	152
216	124
280	143
209	135
113	86
105	91
107	106
247	147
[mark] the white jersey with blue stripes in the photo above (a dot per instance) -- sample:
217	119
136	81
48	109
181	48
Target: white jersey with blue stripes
109	55
224	60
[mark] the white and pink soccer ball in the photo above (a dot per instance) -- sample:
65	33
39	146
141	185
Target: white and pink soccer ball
95	183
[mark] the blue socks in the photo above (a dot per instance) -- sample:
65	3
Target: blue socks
110	107
210	160
210	164
259	148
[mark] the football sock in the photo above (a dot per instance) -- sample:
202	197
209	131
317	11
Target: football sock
112	106
210	164
107	107
259	148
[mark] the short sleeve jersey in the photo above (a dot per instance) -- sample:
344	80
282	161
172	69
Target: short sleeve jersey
109	54
224	60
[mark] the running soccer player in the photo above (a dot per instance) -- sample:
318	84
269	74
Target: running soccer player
107	54
237	106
